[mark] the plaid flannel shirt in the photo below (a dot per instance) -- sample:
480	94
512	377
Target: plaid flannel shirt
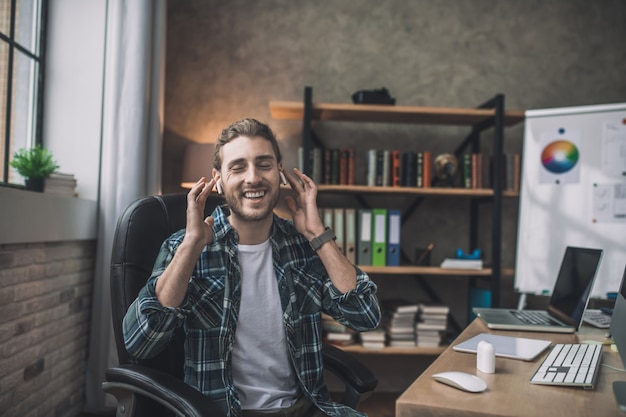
209	312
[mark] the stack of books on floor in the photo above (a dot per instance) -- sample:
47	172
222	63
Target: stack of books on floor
336	333
60	184
399	321
432	324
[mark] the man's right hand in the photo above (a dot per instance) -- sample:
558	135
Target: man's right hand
199	228
171	286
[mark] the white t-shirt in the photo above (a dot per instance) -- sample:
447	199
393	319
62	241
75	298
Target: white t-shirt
262	371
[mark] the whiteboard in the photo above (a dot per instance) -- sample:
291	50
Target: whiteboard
573	193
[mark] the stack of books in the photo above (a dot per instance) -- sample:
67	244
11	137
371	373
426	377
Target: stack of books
336	333
60	184
374	339
399	322
454	263
432	324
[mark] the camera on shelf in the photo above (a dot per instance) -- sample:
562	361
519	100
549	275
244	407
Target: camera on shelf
378	96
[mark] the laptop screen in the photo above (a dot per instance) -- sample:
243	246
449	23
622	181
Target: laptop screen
574	283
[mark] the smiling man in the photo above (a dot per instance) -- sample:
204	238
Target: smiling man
250	287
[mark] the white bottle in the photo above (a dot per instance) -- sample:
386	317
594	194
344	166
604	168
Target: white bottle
486	357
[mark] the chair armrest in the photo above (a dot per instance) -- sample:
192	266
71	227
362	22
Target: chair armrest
349	369
125	382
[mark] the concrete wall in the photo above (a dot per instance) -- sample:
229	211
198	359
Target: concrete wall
227	60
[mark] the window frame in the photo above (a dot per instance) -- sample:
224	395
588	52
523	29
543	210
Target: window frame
37	94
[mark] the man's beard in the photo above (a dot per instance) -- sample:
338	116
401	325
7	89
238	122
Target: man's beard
236	208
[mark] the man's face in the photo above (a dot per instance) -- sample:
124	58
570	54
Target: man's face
250	178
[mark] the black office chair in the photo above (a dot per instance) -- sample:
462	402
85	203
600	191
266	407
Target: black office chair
154	387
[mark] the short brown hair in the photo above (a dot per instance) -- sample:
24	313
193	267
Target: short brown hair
244	127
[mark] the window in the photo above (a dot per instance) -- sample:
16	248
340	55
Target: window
21	79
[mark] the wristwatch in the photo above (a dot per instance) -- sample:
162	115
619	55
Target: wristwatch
318	241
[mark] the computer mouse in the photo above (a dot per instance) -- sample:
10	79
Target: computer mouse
461	380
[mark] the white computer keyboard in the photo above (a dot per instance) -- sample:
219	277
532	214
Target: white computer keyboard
575	365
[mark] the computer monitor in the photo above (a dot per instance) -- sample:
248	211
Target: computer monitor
618	333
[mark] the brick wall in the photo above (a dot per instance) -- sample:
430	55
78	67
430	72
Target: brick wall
45	300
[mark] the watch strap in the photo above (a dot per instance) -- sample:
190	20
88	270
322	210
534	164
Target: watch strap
318	241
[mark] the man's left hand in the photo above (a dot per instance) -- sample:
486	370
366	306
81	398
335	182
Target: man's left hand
303	207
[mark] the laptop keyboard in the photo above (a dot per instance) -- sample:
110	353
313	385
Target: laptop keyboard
575	365
597	318
533	317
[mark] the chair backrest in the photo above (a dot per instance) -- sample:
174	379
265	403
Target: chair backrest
140	231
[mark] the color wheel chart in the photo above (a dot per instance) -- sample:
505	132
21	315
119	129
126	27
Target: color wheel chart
560	157
573	193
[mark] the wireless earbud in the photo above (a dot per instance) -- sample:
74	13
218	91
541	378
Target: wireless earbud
282	178
218	185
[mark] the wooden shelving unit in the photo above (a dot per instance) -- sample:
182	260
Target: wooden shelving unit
489	115
431	270
434	351
432	191
290	110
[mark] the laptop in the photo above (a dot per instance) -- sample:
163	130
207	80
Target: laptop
567	304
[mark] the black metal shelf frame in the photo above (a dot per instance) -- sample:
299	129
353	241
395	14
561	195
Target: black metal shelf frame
473	140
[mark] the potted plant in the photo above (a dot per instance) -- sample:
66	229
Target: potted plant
35	165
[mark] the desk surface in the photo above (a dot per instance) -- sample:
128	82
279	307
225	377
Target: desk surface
509	392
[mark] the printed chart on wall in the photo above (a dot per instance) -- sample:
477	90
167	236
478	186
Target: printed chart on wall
573	193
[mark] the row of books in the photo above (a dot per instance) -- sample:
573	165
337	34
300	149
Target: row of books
337	166
366	236
394	168
477	171
330	166
405	325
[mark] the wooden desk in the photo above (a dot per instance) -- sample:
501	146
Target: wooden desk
509	392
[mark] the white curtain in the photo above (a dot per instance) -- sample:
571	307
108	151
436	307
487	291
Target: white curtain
132	126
